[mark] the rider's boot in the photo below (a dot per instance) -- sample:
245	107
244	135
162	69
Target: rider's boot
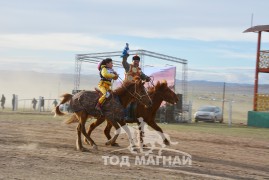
99	107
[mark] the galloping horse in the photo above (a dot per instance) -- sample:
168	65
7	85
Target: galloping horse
161	92
83	105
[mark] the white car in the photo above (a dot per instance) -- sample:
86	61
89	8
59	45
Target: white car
208	113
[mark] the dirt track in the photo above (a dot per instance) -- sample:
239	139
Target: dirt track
45	149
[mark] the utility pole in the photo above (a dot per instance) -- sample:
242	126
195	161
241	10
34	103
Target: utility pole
223	99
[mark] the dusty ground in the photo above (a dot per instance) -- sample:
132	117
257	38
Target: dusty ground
41	147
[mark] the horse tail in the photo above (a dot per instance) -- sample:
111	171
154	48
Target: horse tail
66	97
72	119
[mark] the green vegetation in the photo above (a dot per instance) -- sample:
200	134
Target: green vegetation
220	129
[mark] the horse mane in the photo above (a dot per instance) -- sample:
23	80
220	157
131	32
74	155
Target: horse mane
125	85
159	85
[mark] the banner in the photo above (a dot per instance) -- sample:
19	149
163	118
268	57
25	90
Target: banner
156	73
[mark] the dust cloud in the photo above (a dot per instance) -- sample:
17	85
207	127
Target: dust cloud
29	84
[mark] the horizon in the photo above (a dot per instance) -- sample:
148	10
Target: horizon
97	75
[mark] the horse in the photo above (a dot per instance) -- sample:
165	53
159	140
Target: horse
83	105
161	92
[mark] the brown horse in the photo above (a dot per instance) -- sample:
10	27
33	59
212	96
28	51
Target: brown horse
161	92
83	105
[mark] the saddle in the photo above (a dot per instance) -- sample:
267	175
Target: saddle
108	96
97	90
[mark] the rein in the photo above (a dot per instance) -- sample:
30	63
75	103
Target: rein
135	94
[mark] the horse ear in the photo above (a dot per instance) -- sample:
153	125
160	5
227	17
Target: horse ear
157	85
164	83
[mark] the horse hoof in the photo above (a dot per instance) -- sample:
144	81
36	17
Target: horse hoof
86	142
115	144
81	149
108	143
133	149
166	142
95	147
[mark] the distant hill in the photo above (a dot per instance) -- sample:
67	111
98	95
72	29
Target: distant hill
29	84
233	88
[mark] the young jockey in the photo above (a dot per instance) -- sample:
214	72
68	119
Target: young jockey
106	74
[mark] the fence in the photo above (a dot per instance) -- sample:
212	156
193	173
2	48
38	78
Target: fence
28	105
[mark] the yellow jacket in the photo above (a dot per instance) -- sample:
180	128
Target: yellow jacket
107	73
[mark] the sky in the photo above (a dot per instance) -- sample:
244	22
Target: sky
45	36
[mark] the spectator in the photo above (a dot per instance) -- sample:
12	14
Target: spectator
13	102
42	104
3	101
34	101
55	103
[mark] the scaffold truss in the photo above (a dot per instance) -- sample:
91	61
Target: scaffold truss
95	58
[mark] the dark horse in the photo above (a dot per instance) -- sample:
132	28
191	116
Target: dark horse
161	92
83	105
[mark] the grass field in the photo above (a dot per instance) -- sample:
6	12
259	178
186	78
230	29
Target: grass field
241	98
220	129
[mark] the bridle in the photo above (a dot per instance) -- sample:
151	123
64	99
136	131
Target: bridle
159	93
136	95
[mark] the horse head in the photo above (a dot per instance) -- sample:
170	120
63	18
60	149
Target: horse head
140	93
165	92
136	91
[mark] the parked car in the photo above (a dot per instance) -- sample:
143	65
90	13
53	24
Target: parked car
208	113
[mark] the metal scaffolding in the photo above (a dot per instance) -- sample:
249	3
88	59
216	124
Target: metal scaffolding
95	58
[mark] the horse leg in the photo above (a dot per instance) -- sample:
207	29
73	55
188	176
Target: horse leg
128	132
83	116
92	127
160	132
141	135
117	127
78	141
107	130
107	133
